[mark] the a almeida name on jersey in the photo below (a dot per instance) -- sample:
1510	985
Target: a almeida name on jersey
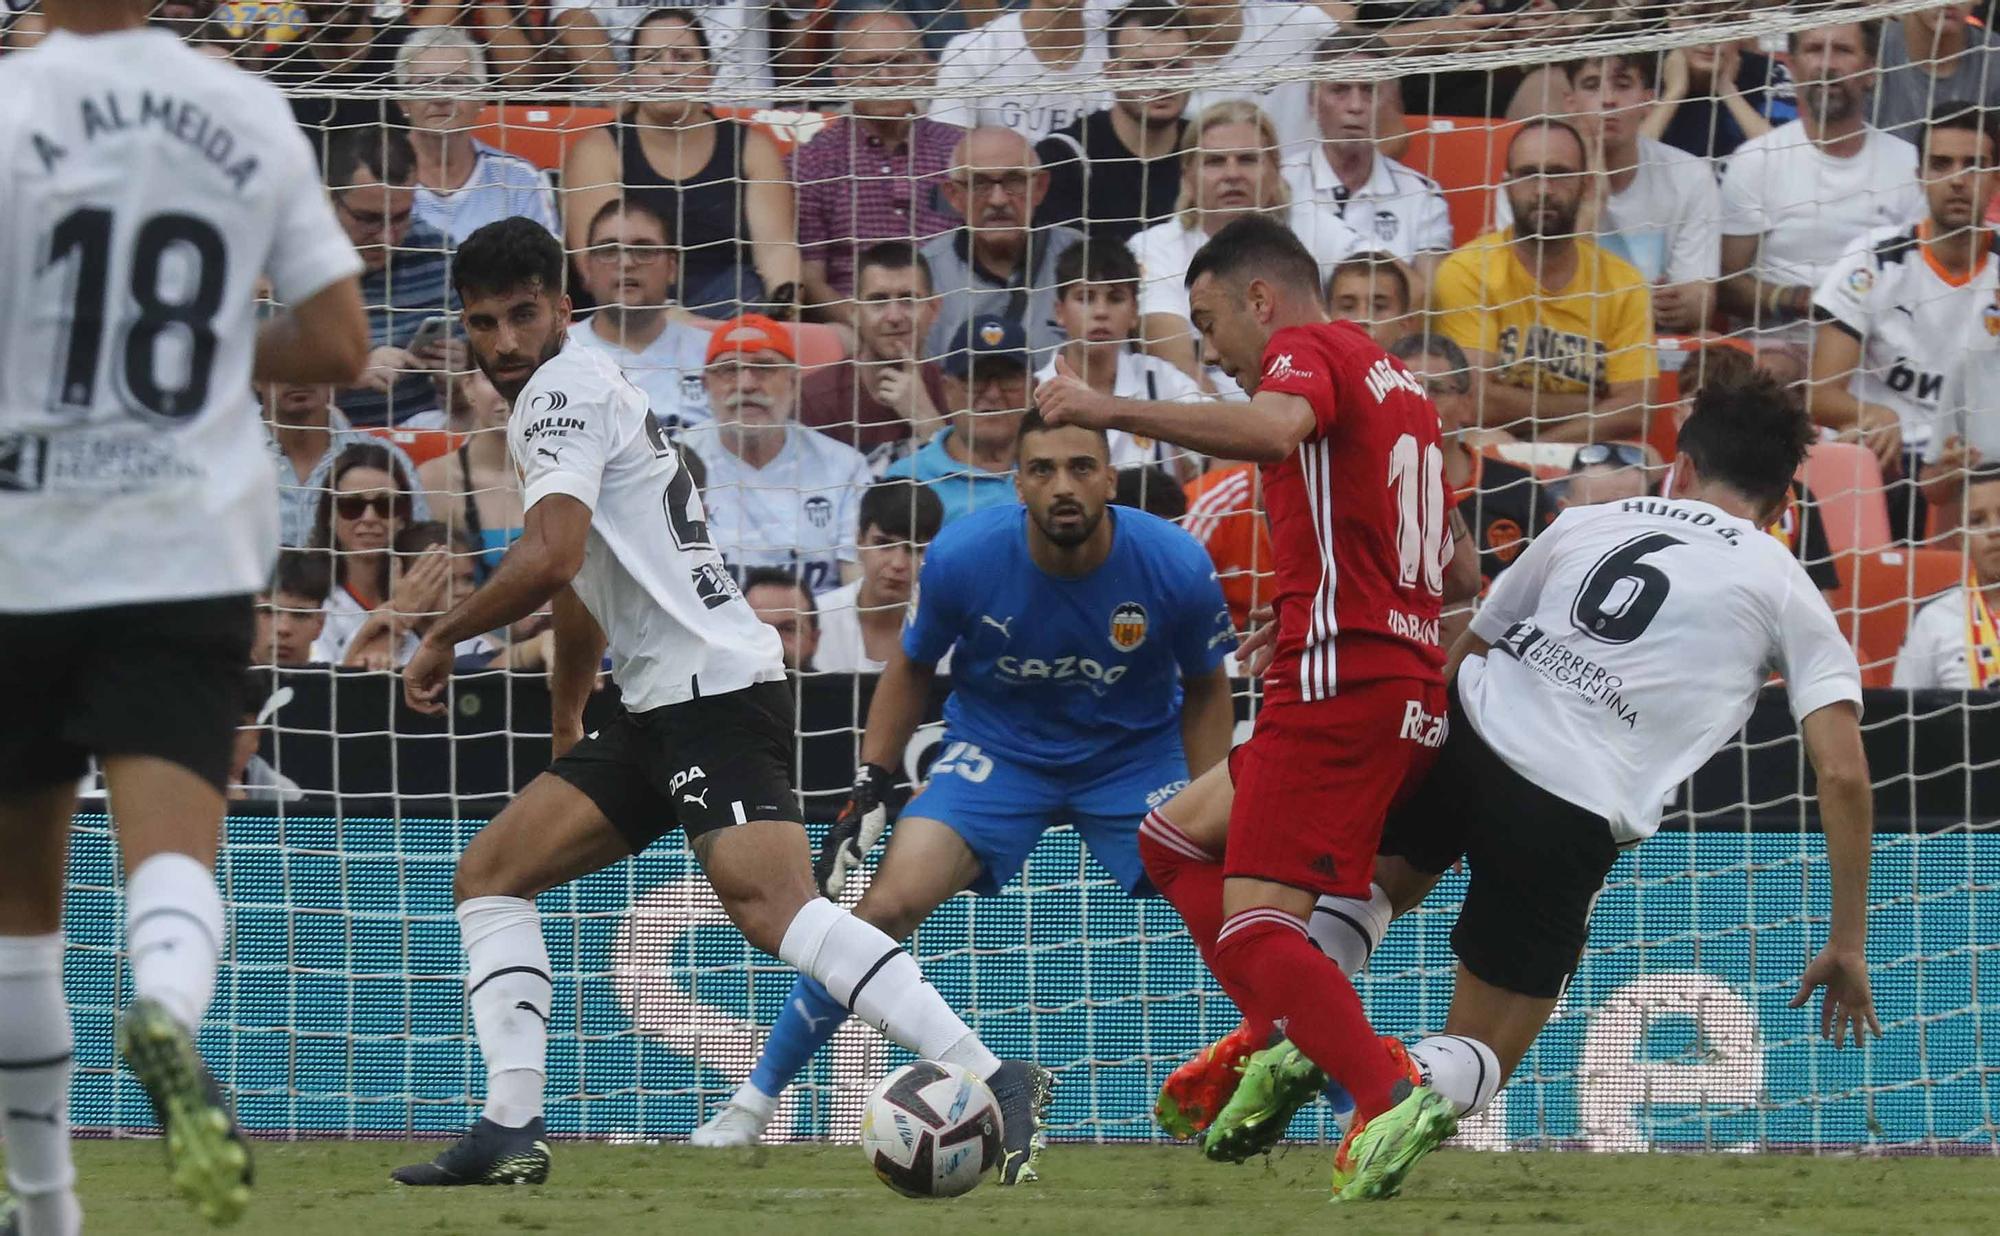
178	119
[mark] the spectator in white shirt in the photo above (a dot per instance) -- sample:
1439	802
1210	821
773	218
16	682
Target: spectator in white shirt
629	270
1259	39
861	623
365	506
1374	290
1954	641
1656	206
1098	303
1795	198
1229	168
291	610
777	494
1392	207
786	606
462	183
999	73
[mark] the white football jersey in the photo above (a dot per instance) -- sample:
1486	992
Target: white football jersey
676	625
1914	323
145	188
799	511
1629	643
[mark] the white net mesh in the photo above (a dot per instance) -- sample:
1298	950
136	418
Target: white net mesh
699	160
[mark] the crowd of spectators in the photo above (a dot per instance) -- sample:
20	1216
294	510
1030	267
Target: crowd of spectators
839	315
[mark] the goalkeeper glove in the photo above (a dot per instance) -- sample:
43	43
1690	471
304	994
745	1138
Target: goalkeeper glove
859	826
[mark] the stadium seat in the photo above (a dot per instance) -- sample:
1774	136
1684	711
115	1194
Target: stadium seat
540	134
1847	483
1879	591
1465	155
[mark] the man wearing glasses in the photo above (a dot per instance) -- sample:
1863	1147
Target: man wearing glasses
371	176
1560	330
996	265
629	270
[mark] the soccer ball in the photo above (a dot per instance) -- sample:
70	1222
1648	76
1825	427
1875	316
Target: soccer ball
931	1130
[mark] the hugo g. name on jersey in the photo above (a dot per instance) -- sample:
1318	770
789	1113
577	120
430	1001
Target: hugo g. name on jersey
146	188
1914	321
1629	642
676	626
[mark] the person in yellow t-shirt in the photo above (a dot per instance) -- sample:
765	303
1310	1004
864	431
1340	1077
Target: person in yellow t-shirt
1561	329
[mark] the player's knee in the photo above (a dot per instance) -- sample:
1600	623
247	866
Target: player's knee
483	871
895	912
764	913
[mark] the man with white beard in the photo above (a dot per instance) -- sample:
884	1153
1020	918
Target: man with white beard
778	494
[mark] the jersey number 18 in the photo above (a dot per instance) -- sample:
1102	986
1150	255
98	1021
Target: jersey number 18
83	238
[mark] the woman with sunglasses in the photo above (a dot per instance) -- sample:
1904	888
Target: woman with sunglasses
367	501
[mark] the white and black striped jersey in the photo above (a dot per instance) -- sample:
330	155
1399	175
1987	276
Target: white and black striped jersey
1629	643
145	188
676	625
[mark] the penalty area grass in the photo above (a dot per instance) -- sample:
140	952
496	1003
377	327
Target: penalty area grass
343	1189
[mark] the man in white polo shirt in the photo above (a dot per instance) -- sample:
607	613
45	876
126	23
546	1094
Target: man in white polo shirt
778	494
1393	207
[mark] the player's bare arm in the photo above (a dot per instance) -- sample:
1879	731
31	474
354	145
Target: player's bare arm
323	341
1262	431
896	710
1208	720
543	561
1847	816
579	650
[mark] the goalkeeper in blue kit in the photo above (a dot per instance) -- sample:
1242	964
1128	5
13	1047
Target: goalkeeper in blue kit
1087	648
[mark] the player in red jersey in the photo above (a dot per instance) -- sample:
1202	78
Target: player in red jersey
1354	698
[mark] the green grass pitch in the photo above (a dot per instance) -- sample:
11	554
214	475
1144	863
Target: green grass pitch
342	1189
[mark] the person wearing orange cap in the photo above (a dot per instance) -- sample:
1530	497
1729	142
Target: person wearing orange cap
779	494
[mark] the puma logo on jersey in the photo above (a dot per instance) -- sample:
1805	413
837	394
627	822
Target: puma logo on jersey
554	456
699	800
991	621
1422	728
1282	367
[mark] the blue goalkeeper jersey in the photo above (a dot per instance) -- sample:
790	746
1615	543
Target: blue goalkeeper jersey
1053	671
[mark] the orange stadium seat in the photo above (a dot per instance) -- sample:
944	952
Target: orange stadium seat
1847	483
1879	590
1466	156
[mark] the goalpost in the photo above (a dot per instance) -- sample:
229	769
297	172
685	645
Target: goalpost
341	1011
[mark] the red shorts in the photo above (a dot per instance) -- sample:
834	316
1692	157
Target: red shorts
1316	781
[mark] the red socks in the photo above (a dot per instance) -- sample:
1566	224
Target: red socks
1264	954
1191	879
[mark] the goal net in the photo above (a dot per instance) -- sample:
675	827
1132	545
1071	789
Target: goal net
1055	166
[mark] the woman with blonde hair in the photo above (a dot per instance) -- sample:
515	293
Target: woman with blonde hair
1229	169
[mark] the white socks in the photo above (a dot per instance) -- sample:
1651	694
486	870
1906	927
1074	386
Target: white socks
35	1046
507	983
881	984
173	934
1461	1069
1347	929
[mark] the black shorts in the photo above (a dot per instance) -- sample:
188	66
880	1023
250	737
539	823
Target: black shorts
1537	862
163	679
703	765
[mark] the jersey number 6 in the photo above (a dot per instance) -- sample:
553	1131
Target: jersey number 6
1621	595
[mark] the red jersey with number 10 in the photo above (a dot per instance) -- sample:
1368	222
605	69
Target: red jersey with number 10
1360	525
